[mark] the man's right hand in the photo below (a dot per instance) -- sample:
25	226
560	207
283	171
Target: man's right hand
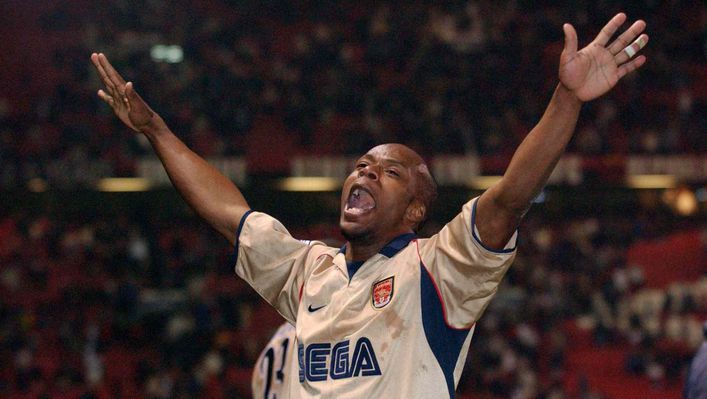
121	96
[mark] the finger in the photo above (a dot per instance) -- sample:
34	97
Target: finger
94	59
570	39
108	67
131	96
112	74
105	97
130	92
610	28
631	66
622	41
631	50
102	73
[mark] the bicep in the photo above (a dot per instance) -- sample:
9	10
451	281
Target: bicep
495	221
233	217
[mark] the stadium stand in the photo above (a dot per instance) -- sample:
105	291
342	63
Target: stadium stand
109	295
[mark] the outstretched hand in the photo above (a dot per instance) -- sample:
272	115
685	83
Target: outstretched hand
595	69
121	96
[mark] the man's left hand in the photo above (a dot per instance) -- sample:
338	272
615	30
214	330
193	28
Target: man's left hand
595	69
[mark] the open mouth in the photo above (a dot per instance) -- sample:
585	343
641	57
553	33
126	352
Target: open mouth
360	201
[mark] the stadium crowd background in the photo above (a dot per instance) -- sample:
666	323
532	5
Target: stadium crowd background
105	295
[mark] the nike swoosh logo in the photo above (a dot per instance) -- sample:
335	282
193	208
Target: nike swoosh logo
312	310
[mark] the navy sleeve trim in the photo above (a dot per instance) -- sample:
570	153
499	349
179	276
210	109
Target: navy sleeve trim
445	342
439	294
234	256
478	240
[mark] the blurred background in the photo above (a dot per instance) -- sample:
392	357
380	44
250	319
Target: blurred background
111	287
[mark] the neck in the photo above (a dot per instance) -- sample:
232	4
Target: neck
362	249
361	252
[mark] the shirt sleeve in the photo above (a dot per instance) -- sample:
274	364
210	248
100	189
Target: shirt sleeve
273	262
465	272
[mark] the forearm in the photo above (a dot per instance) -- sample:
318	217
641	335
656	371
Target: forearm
502	206
538	154
211	194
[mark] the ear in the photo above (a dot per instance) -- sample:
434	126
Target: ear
415	212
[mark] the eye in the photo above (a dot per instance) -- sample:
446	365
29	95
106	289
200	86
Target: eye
361	165
393	172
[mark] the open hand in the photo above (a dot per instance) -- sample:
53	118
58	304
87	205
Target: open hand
121	96
595	69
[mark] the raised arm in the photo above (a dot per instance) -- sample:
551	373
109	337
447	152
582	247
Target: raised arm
584	75
211	194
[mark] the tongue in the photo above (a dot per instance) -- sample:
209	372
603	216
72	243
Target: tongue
361	200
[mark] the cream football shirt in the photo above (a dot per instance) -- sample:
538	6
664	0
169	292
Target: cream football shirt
396	326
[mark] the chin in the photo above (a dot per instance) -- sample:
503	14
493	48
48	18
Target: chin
357	234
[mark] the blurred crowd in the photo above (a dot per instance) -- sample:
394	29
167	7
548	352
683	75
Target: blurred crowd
277	78
121	307
140	305
572	294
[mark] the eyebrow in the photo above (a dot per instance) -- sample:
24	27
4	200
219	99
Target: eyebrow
394	162
384	160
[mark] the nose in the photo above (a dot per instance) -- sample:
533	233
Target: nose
369	171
